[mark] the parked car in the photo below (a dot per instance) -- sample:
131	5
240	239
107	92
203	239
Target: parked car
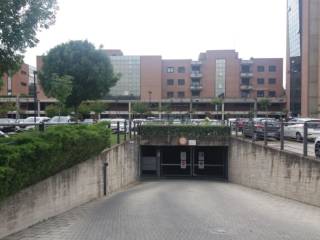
8	128
122	122
255	128
31	120
317	147
60	120
240	122
3	135
88	121
295	128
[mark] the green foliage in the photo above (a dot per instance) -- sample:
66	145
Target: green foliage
86	108
54	110
60	88
183	131
217	101
90	69
264	103
140	108
6	107
1	82
19	22
30	157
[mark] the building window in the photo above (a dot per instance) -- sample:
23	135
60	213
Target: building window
272	93
272	68
23	72
195	94
181	69
260	68
23	84
170	94
245	81
260	81
272	81
181	82
260	93
245	69
170	69
245	93
181	94
170	82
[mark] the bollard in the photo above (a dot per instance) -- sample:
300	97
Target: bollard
265	133
305	139
282	136
252	132
134	129
104	170
118	133
130	134
125	130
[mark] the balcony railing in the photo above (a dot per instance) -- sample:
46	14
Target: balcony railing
195	87
246	87
196	74
196	63
246	74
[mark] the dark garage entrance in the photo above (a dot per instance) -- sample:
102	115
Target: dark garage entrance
184	161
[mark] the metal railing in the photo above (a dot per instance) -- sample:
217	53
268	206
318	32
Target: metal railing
297	139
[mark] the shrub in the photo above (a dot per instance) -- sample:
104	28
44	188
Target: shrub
33	156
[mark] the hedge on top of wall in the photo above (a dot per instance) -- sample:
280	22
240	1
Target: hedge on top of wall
30	157
184	131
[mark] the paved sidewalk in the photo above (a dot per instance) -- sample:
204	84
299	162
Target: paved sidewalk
183	209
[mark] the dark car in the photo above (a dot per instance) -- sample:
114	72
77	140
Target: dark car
5	127
255	128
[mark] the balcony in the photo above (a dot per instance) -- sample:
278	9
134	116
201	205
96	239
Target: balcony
196	63
246	74
246	87
195	87
246	62
196	74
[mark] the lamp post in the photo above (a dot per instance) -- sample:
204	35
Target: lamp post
150	93
35	96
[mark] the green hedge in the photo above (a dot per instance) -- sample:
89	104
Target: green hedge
29	157
184	130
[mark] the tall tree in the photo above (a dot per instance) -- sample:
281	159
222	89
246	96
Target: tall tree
90	69
264	103
60	88
19	22
140	108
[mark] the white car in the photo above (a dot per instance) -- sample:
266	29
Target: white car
60	120
121	121
31	120
295	128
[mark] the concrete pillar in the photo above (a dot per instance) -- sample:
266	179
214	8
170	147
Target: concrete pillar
255	108
38	107
129	110
222	111
17	108
160	109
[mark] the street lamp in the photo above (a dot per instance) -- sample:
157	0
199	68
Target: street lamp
35	96
150	92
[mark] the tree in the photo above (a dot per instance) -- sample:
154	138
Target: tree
1	82
55	110
6	107
140	108
217	102
19	22
264	103
60	88
87	107
90	69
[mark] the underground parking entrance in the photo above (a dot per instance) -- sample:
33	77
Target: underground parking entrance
184	161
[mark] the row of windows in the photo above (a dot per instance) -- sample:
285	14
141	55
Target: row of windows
261	93
172	69
271	68
179	94
260	81
170	82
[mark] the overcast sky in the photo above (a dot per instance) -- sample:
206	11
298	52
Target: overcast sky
171	28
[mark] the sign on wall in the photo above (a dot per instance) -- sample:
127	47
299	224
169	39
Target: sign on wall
201	160
183	160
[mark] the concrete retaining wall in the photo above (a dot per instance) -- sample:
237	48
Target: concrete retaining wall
278	172
69	188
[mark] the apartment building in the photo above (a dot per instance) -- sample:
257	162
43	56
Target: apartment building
303	53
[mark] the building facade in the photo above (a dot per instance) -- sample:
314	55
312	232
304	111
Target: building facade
303	53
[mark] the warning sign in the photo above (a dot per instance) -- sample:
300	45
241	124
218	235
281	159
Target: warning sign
201	160
183	160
